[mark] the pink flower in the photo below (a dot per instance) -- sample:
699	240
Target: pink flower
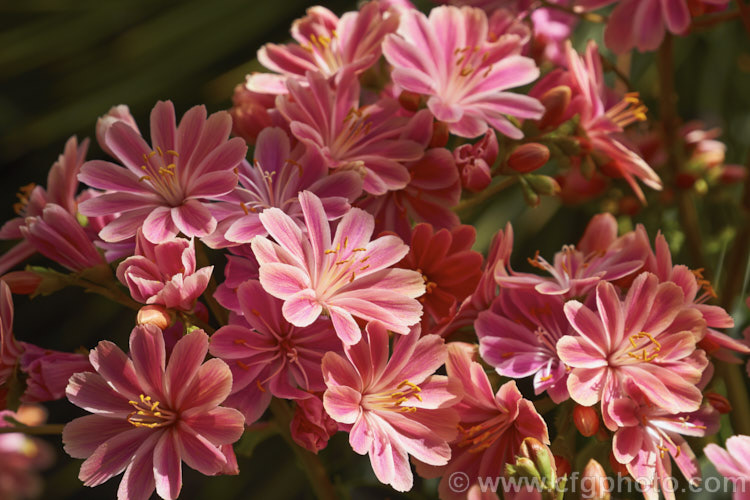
10	349
330	120
311	426
733	463
491	428
450	58
648	435
164	187
252	112
119	113
268	355
346	277
21	458
325	45
518	336
648	340
150	415
395	407
238	270
474	161
278	175
62	185
164	273
599	255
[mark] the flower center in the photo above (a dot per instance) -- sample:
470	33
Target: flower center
148	413
629	110
394	401
708	289
354	127
640	352
161	173
23	194
344	265
481	436
323	47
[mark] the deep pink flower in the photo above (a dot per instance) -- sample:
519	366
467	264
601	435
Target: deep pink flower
10	349
648	339
491	429
348	135
164	187
311	426
733	463
164	273
21	458
451	58
344	277
599	255
326	45
648	435
239	269
277	176
433	190
519	334
150	415
396	407
62	184
474	161
268	355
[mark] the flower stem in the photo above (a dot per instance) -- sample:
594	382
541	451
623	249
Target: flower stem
486	194
310	463
37	430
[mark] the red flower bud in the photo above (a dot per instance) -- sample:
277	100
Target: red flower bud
617	467
594	482
555	102
528	157
586	420
410	101
562	466
155	315
719	402
22	282
440	135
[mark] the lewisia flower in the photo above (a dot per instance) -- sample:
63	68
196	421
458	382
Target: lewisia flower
164	273
733	463
344	277
519	334
491	429
349	136
277	176
648	340
268	355
163	187
451	58
325	44
394	407
150	414
474	161
311	426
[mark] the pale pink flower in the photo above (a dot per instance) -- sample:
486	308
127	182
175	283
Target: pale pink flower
346	277
647	436
519	334
576	269
733	463
62	184
451	58
491	429
348	135
311	426
21	459
648	340
268	355
163	188
164	273
326	45
150	414
277	176
394	408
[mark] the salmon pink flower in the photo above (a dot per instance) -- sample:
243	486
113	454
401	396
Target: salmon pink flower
450	58
491	429
268	355
164	273
733	463
164	187
325	44
394	407
150	414
330	120
648	340
277	176
344	278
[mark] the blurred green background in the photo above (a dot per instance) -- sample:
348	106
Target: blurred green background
64	63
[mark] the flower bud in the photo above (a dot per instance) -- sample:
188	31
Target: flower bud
586	420
617	467
719	402
528	157
594	484
156	315
22	282
543	184
685	180
731	174
250	113
440	135
410	101
541	458
555	102
529	195
562	466
120	113
311	426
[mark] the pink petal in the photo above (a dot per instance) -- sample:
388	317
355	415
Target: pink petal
110	176
302	308
138	481
149	354
220	425
585	385
163	126
342	403
210	387
345	325
193	218
84	435
627	443
158	226
184	363
168	465
283	280
198	453
111	457
578	353
90	391
116	368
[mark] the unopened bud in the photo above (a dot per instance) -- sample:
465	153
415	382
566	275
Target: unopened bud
529	195
528	157
543	184
440	135
594	484
617	467
562	466
22	282
541	457
410	101
719	402
555	102
586	420
523	467
154	315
